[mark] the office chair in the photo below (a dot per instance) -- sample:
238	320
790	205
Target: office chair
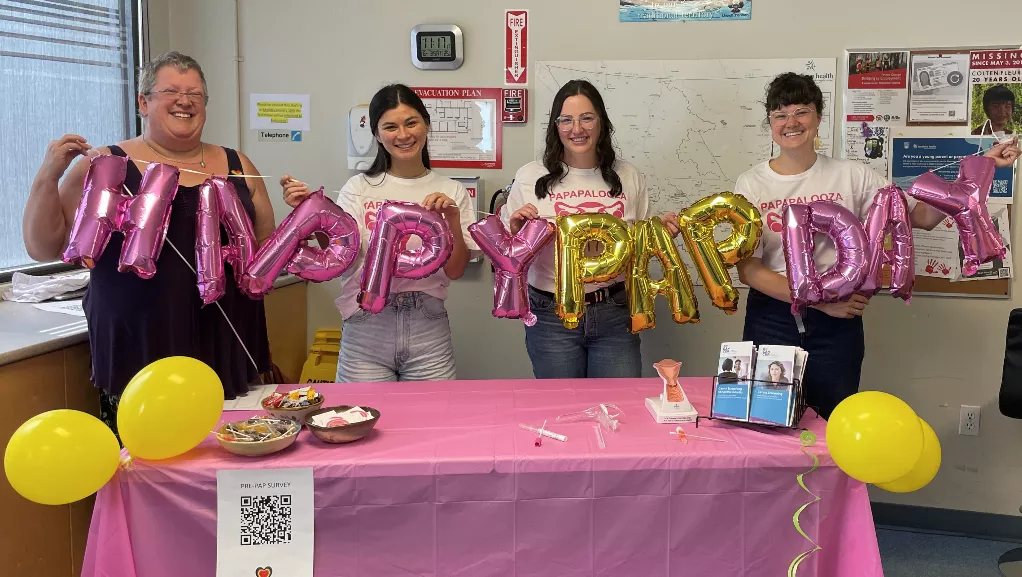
1009	402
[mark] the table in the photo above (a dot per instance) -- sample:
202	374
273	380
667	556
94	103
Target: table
449	485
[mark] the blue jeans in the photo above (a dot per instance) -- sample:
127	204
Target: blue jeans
601	346
409	340
836	347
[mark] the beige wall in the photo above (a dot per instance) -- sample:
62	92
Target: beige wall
937	354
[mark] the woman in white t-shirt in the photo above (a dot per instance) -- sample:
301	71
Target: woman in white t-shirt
580	173
410	340
833	332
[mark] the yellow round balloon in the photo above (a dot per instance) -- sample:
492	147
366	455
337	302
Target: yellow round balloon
61	456
874	437
926	467
169	407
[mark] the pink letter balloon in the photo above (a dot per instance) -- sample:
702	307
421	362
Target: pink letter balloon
142	218
965	200
284	248
219	203
511	258
801	222
385	259
889	214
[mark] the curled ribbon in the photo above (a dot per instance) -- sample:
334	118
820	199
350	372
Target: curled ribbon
808	439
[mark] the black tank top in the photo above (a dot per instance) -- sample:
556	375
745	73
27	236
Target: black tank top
133	321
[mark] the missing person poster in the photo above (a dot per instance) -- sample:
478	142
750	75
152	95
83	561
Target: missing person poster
996	90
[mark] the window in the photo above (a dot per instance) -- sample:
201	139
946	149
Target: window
65	67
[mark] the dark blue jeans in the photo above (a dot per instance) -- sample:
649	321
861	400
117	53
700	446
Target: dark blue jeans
836	347
600	347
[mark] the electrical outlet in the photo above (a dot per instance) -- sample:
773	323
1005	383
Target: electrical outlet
968	423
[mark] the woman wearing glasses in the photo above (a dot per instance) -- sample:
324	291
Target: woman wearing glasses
580	173
833	332
133	321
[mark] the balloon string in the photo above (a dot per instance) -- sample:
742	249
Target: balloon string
202	173
222	312
807	439
906	179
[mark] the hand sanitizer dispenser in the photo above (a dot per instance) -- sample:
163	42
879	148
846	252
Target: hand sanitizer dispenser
361	142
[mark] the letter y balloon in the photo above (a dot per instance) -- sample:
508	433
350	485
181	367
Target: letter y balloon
965	200
511	257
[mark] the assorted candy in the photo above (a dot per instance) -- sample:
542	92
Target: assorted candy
296	399
257	430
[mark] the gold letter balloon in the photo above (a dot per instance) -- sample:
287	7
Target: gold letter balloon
713	258
575	268
651	239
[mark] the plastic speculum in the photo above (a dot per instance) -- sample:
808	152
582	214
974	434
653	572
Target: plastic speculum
607	414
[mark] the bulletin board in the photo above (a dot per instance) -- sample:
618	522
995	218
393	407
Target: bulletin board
920	94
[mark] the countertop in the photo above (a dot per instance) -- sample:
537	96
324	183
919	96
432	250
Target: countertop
26	331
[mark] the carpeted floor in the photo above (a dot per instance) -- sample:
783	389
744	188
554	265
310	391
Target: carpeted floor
908	554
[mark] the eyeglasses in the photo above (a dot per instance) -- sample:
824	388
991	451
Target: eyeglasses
566	123
800	114
171	95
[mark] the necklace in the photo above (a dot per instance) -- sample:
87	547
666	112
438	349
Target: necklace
420	175
202	154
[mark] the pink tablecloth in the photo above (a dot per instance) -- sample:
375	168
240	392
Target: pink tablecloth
448	485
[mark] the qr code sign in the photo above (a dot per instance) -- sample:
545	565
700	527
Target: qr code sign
1000	187
266	520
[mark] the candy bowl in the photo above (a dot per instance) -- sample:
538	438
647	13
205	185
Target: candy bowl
293	404
258	436
342	423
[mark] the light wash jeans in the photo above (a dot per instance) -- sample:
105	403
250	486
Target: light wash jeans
601	346
409	340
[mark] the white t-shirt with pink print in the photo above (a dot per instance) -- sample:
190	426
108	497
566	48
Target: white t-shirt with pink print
846	182
580	191
362	196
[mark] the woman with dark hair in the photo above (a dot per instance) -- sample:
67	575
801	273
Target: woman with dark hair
833	333
410	340
580	173
776	373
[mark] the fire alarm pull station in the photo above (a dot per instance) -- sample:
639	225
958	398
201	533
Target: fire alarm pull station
514	105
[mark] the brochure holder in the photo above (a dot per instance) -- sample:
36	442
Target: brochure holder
798	410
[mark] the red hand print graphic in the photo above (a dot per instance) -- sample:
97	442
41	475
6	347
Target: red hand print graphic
617	209
934	265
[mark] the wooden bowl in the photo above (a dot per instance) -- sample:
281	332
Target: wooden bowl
343	433
258	449
296	413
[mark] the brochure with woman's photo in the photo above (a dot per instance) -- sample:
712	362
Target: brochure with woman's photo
773	393
776	363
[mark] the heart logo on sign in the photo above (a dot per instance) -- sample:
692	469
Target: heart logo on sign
264	571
